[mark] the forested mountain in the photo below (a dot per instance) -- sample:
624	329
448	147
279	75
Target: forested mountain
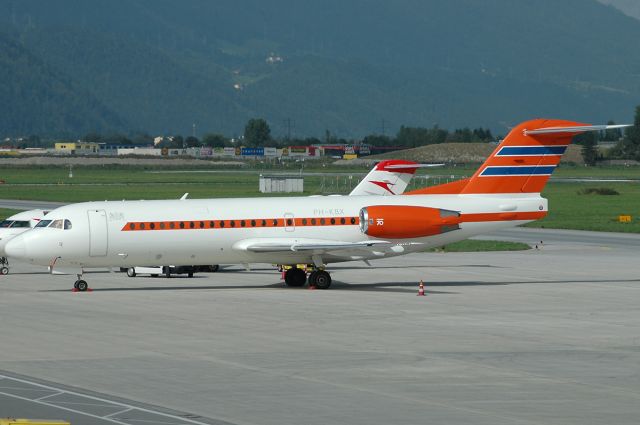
346	66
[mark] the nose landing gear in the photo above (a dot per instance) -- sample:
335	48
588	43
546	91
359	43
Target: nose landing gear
4	265
80	285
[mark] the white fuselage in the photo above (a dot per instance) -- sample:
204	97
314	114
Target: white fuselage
18	224
99	234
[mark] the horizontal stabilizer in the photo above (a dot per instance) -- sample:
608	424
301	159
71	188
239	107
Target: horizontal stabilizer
401	166
574	129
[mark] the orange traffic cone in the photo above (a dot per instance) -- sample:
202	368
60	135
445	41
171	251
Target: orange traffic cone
421	289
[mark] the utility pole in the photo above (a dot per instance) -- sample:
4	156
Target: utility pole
288	125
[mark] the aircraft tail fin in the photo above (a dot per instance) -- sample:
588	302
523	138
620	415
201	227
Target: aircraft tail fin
525	159
389	177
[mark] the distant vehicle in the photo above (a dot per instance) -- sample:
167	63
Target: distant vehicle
12	227
168	270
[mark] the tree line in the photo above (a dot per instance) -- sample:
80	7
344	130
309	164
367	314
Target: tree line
257	133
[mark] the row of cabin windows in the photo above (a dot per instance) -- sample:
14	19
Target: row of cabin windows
232	223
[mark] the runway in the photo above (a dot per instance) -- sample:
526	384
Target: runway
539	336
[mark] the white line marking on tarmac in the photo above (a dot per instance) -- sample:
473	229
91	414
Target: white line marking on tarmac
118	413
64	408
111	402
47	396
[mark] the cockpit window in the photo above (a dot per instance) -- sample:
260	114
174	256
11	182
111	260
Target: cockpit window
57	224
43	223
20	223
67	225
6	223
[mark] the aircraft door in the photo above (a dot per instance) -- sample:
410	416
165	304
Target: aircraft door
289	222
98	233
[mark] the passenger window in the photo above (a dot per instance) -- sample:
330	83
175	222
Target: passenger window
343	221
67	225
264	223
253	223
43	223
57	224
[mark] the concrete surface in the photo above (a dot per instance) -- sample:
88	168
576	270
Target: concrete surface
546	336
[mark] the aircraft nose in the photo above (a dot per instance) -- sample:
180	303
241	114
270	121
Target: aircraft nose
16	248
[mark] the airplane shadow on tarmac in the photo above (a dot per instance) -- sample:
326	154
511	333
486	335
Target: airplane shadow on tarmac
398	287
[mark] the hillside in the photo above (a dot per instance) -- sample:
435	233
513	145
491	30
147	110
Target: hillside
160	66
459	153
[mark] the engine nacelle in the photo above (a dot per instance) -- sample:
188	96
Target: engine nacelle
404	221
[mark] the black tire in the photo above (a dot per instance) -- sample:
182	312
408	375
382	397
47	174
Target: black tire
322	280
82	285
75	284
295	277
131	272
190	274
311	280
4	270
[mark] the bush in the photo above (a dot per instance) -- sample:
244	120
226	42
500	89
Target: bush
598	191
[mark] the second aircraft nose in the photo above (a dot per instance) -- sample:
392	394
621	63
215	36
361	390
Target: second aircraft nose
16	248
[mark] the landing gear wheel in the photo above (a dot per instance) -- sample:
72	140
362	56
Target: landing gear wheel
81	285
312	278
322	280
295	277
4	270
190	274
131	272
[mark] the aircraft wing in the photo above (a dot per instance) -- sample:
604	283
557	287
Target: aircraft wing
317	246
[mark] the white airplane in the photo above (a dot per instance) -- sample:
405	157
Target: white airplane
503	192
12	227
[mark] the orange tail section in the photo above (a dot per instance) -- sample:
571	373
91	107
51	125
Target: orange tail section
523	162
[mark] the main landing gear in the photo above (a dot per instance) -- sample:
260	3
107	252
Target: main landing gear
80	284
4	265
295	278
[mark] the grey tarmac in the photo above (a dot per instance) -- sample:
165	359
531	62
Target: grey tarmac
541	336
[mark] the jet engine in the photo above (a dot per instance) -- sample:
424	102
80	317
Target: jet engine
404	221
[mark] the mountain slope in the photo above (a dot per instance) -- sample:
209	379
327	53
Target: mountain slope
346	66
38	100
